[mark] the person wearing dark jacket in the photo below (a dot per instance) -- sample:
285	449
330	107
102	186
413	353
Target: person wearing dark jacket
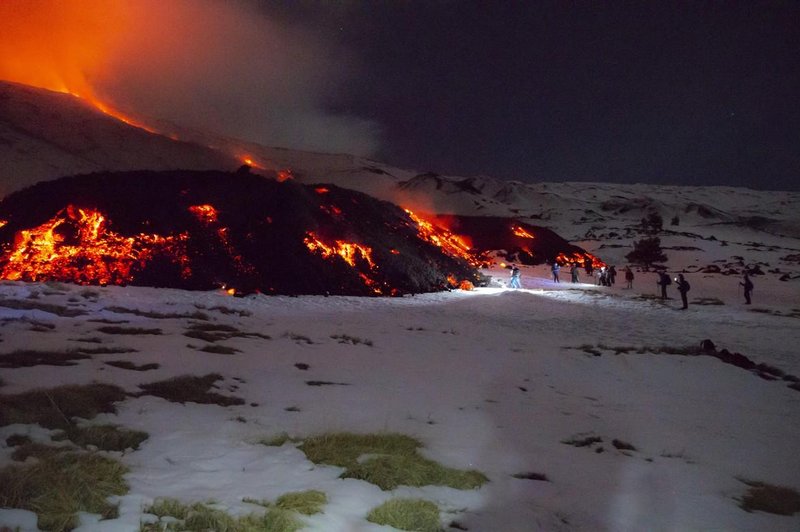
556	268
683	288
663	282
629	276
748	288
573	271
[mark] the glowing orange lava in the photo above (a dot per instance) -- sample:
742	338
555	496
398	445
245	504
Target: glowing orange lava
346	250
350	252
77	246
580	258
449	242
519	231
205	213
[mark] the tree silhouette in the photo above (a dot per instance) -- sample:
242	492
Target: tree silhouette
646	252
652	223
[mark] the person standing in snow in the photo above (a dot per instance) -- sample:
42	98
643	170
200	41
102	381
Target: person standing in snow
556	268
748	288
515	275
573	271
663	282
683	288
629	276
612	275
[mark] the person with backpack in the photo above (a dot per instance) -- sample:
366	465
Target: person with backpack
515	275
629	276
556	268
664	281
748	288
683	288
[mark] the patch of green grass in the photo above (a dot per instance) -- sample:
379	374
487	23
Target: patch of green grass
206	336
190	389
168	507
90	340
110	329
307	502
580	440
58	310
590	349
26	358
104	437
38	450
298	338
219	349
391	460
407	514
215	327
105	350
214	332
57	487
126	364
763	497
354	340
54	407
622	445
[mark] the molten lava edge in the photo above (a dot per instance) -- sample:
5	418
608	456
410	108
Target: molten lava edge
207	230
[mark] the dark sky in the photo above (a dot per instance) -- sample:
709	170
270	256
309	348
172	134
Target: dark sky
704	93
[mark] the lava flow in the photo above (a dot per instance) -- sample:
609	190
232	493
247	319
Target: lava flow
350	252
581	259
449	242
77	246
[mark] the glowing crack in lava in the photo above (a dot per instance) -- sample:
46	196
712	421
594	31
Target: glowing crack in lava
519	231
77	246
208	215
449	243
350	252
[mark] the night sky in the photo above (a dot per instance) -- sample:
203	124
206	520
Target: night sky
703	93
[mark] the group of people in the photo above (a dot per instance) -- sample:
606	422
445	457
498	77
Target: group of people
607	277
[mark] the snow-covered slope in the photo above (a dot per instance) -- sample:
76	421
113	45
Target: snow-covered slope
45	135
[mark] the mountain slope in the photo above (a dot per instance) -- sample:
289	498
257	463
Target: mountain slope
45	135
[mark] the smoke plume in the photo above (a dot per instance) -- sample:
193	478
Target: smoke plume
222	66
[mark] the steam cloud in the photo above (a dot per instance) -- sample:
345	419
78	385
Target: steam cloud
216	65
